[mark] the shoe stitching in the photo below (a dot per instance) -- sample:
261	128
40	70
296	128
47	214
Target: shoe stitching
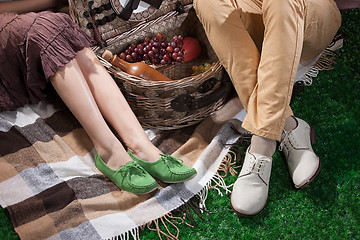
126	172
288	140
291	140
142	187
163	160
167	158
288	148
259	163
258	166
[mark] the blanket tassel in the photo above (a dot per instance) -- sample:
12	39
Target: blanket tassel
176	217
166	226
132	234
325	62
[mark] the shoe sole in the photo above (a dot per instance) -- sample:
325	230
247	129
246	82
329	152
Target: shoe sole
312	136
243	214
179	181
145	192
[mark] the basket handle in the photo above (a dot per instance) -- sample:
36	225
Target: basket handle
132	5
188	103
97	35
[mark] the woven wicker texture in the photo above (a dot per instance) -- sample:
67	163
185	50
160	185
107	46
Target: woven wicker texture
77	10
187	99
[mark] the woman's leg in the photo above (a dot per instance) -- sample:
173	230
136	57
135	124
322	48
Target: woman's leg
114	107
72	87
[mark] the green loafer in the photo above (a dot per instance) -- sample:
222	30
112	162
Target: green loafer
131	177
167	169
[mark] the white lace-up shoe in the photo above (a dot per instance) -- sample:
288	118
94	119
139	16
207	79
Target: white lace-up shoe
303	164
250	190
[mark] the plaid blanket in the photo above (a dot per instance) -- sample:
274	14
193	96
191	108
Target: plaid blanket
52	189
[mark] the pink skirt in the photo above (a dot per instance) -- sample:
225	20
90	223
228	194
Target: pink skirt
33	47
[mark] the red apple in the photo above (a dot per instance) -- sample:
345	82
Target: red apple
191	49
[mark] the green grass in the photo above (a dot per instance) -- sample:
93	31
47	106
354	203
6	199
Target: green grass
329	208
6	229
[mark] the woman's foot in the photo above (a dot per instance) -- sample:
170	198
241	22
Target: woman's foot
145	151
114	155
130	177
167	168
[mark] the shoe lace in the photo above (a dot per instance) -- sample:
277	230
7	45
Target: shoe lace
258	163
170	160
282	143
130	169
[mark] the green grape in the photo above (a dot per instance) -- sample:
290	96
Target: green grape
201	68
207	66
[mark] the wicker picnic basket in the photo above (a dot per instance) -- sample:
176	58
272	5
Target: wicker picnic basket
159	105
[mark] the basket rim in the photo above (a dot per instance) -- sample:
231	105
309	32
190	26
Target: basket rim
121	75
142	25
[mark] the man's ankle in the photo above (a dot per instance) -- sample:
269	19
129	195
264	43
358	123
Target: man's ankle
263	146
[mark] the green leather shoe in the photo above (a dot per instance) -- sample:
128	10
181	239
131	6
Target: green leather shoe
167	169
131	177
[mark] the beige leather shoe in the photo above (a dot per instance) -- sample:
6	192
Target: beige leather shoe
303	164
250	190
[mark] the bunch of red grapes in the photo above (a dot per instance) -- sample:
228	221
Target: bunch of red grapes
156	50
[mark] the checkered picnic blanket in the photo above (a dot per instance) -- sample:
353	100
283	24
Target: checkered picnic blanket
52	189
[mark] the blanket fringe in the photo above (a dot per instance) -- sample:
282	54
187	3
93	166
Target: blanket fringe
183	215
228	165
217	183
325	62
132	234
167	226
307	78
234	157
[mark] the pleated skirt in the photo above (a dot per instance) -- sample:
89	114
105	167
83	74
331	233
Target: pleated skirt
33	47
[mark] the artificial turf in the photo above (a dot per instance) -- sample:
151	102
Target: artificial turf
329	208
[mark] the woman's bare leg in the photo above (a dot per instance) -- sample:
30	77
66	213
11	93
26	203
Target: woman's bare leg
114	107
72	87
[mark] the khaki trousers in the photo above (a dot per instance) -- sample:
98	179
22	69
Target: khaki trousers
260	44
